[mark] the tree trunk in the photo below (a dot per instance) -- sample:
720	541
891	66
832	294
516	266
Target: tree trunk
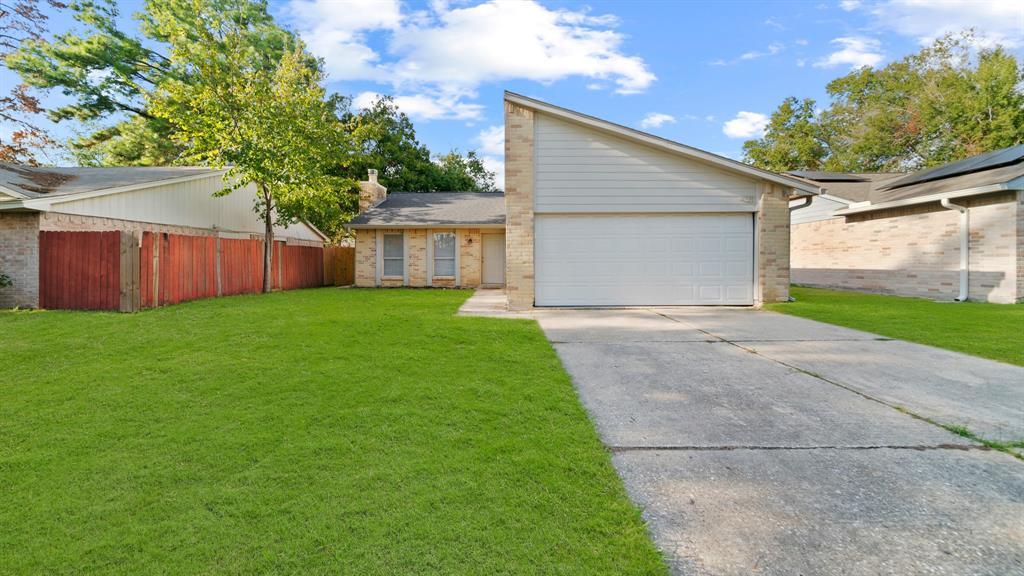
268	238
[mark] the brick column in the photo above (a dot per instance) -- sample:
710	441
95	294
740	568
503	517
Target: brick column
773	244
1020	245
519	206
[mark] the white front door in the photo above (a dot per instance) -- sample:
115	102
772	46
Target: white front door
644	260
494	259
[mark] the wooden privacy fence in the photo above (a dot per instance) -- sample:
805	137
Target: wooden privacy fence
339	265
120	271
88	271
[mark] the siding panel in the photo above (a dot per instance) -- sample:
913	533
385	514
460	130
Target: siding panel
580	169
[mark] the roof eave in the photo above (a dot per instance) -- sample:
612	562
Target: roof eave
860	207
399	225
659	142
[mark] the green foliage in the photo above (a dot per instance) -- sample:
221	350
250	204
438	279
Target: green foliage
792	139
947	102
5	280
269	123
110	74
387	143
241	435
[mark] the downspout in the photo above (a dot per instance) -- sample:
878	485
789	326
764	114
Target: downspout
965	244
807	202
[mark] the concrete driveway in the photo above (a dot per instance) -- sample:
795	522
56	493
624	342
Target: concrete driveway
758	443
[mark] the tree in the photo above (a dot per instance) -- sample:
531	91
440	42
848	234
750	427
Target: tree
110	74
792	140
387	143
21	21
947	102
269	124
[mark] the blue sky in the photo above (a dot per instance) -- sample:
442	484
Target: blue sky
705	74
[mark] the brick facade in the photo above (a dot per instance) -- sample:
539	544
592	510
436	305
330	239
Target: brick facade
470	259
915	250
371	192
772	241
519	179
19	259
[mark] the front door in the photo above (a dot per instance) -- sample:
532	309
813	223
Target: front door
494	259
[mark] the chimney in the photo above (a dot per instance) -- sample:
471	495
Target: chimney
371	193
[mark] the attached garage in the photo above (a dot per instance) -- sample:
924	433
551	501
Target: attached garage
602	215
628	260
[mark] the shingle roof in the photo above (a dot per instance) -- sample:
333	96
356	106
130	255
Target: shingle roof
423	209
988	169
37	182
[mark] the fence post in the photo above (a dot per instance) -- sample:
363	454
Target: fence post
129	273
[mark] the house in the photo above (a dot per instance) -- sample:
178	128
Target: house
953	232
595	214
37	202
437	239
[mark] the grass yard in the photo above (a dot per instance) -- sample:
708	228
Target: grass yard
993	331
309	432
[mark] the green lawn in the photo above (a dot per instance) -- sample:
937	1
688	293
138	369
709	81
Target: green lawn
310	432
993	331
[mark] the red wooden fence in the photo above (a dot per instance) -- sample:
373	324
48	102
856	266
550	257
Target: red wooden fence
117	271
80	270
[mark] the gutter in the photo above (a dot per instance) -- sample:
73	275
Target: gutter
965	244
867	206
806	203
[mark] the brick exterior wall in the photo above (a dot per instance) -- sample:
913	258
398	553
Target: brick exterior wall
416	241
773	244
470	257
19	259
366	258
1020	246
915	250
519	178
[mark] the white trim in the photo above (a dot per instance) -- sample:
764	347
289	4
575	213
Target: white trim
12	192
458	263
755	222
655	141
858	207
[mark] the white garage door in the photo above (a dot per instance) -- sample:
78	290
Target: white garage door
626	260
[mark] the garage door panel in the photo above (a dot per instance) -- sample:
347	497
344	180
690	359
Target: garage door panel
621	260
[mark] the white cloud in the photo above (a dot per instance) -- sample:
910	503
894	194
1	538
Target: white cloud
772	49
492	140
492	151
774	23
854	51
657	120
995	21
800	42
849	5
745	125
454	50
428	106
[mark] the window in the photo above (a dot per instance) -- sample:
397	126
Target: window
394	255
444	254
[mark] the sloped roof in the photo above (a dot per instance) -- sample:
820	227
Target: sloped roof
39	182
979	174
434	209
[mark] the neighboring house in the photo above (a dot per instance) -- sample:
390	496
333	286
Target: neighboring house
597	215
132	199
951	232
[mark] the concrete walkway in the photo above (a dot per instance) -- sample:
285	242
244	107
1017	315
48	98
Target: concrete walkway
758	443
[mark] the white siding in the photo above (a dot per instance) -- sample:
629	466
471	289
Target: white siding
820	209
189	203
580	169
